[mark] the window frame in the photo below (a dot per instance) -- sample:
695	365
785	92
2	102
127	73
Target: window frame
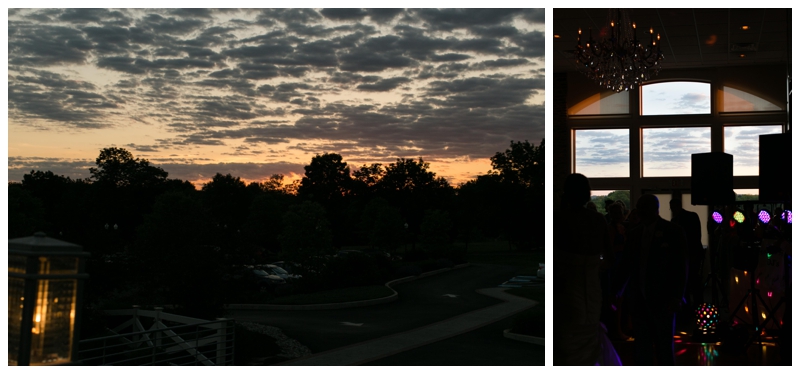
635	122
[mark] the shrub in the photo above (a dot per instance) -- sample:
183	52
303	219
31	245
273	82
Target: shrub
251	345
415	255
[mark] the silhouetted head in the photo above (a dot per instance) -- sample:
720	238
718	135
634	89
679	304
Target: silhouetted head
617	212
577	190
648	208
674	205
591	206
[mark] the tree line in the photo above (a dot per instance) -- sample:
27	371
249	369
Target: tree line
129	209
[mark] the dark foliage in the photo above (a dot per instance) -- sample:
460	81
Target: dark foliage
155	240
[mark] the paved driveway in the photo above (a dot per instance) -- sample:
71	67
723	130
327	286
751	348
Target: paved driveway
421	302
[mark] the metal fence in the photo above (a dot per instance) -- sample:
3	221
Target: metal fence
187	341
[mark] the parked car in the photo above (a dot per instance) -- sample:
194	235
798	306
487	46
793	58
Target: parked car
347	252
290	267
261	279
277	271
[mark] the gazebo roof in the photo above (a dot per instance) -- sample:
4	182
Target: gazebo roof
42	244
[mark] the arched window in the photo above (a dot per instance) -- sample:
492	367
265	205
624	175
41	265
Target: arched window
669	98
734	100
603	103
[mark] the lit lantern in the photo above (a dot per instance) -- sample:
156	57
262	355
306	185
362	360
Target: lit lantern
45	286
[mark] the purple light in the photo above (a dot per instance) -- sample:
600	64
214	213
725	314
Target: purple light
787	215
717	217
763	216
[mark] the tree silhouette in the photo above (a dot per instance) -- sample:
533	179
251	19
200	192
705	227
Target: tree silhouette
327	178
306	235
522	163
117	167
382	225
227	198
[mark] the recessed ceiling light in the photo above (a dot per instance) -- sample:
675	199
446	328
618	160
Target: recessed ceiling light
741	55
745	27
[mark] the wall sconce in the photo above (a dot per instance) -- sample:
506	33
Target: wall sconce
45	287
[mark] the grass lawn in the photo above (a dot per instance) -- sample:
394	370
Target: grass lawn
335	296
531	321
528	261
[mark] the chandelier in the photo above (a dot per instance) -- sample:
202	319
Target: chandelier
620	61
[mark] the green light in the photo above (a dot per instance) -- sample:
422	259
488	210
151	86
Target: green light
738	216
769	256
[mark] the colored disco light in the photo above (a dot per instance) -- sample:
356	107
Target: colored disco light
738	216
763	216
707	318
787	216
717	217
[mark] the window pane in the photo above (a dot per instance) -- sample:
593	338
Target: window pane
602	103
602	153
676	98
686	203
742	143
599	199
746	194
668	152
734	100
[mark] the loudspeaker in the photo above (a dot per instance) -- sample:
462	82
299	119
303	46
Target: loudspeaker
775	168
712	179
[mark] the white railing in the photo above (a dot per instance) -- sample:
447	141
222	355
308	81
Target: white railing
170	340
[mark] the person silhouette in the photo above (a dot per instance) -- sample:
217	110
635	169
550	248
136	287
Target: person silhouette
581	240
656	273
690	222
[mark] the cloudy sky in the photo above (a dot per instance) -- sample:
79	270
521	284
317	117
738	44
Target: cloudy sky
261	91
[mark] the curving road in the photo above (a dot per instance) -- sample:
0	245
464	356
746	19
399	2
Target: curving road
422	302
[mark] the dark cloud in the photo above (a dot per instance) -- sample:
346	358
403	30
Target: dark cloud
484	92
82	16
73	168
344	14
494	31
384	84
192	13
692	103
142	148
298	75
502	63
287	16
528	45
534	15
54	97
177	168
450	57
162	25
46	45
450	19
383	15
371	61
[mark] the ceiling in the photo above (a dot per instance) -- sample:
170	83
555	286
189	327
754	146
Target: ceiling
690	38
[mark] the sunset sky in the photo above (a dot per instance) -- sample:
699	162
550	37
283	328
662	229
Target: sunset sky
258	92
